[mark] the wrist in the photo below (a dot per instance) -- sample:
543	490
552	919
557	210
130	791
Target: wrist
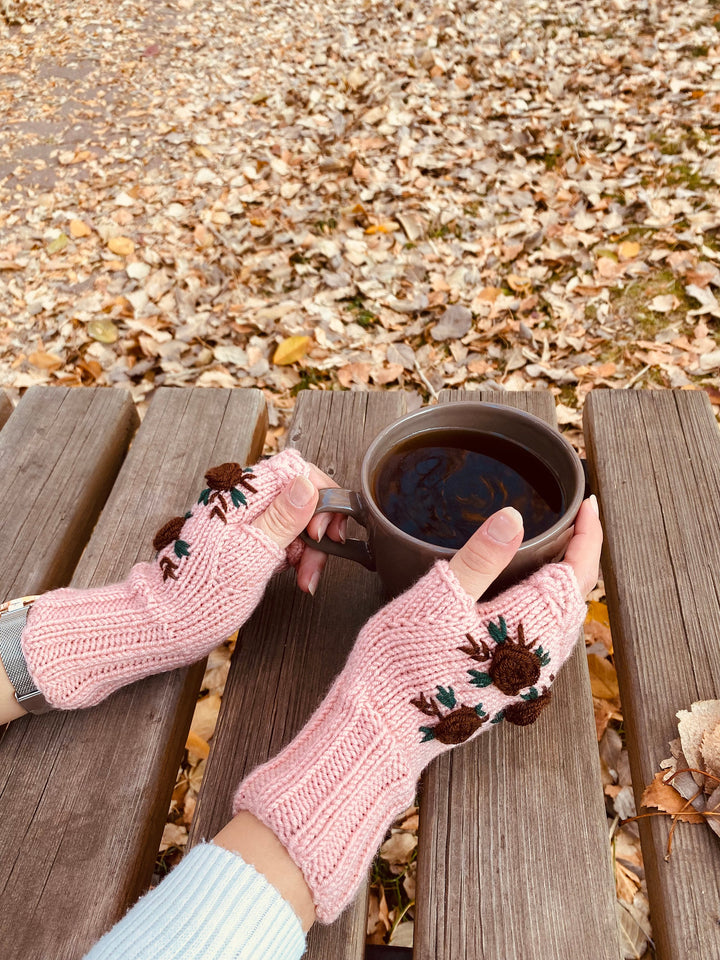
18	683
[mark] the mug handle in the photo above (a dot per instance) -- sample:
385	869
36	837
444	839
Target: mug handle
334	500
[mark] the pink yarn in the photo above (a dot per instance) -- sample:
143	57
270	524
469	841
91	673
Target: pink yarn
331	794
81	645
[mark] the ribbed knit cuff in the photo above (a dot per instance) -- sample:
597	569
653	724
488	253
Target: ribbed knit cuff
213	906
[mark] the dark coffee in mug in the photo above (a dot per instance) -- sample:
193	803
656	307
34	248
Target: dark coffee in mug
440	486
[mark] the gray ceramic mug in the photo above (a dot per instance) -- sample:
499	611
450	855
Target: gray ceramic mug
400	558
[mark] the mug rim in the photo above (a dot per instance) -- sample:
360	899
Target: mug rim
560	525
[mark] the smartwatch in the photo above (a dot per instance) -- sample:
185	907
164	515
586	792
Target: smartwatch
13	615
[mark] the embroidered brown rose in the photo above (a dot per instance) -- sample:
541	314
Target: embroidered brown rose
513	664
228	478
454	727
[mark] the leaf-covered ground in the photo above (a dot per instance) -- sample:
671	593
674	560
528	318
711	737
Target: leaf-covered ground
508	195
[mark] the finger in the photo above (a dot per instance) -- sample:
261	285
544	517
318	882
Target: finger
289	513
337	530
319	524
319	478
488	551
583	552
312	563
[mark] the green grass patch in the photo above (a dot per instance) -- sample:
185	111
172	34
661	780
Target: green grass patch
631	302
444	230
683	175
309	377
361	315
323	227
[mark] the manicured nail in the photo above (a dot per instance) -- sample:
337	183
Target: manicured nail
342	529
314	581
505	525
594	504
301	492
323	524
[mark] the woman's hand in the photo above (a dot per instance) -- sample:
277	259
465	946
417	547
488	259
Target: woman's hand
491	548
211	570
291	512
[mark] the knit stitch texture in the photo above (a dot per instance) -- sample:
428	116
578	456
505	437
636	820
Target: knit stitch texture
213	906
422	677
81	645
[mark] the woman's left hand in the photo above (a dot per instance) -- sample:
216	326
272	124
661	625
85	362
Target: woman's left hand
292	512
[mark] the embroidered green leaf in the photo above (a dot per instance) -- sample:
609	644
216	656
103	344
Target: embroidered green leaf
532	694
479	710
182	549
498	631
237	497
446	697
204	496
429	735
480	679
188	515
543	656
499	716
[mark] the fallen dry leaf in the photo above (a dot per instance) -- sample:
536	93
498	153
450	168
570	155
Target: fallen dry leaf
205	716
703	716
603	679
104	331
664	797
354	373
122	246
291	350
387	226
79	229
628	250
398	849
45	361
710	752
174	835
196	746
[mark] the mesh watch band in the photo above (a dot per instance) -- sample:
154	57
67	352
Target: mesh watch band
13	615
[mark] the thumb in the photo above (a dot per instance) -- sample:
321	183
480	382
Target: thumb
289	513
488	551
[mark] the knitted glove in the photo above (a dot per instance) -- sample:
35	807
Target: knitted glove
210	573
429	671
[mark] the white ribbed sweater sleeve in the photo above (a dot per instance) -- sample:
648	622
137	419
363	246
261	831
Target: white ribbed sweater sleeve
212	906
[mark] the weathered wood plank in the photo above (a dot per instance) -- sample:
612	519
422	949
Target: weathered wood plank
6	407
655	457
513	856
60	452
85	794
294	646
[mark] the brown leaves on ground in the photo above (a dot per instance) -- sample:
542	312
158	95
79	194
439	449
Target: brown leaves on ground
216	179
392	889
197	750
603	678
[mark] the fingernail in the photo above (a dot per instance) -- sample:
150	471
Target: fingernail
342	529
505	525
323	524
301	492
594	504
314	581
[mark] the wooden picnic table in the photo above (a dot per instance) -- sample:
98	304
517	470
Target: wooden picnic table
514	860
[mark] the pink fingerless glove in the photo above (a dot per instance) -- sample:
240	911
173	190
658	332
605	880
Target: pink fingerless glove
429	671
210	573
